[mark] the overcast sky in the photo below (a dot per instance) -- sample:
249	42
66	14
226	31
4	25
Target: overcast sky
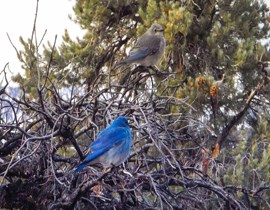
17	17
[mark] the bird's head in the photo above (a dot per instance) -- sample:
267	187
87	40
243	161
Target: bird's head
156	29
121	122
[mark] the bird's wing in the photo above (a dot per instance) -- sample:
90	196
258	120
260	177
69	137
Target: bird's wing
110	137
91	157
106	140
96	154
146	45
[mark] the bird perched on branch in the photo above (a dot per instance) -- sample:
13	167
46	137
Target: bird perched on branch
148	49
111	147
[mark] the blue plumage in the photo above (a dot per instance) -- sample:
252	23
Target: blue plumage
112	145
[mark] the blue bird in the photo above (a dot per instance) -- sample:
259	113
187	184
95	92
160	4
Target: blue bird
111	147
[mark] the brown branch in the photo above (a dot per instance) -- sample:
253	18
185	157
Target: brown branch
69	200
5	76
236	118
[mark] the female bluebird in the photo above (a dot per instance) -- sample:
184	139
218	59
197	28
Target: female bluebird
148	49
111	147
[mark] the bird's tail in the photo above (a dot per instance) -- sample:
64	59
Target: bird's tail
80	167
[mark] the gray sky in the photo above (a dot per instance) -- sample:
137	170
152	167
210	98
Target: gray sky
17	18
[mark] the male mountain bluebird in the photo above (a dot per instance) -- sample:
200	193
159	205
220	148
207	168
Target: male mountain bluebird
111	147
148	49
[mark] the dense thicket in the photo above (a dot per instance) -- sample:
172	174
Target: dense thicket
199	120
